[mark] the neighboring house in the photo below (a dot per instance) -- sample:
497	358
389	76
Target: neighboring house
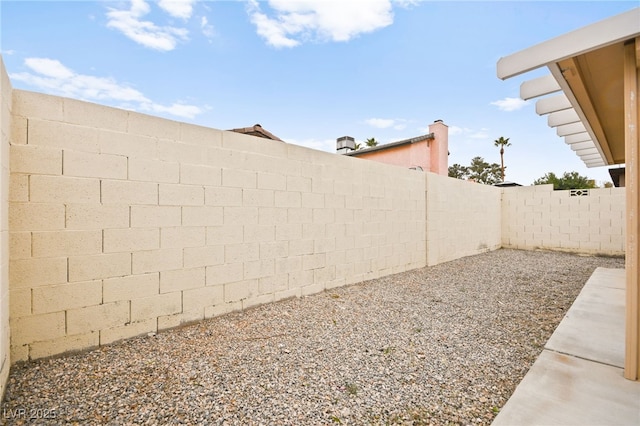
617	176
257	130
428	152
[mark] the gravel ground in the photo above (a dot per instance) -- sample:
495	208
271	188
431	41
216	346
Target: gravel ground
439	345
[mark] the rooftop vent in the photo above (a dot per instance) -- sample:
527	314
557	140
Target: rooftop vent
345	144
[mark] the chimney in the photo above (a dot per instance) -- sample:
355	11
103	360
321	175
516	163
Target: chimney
439	148
345	145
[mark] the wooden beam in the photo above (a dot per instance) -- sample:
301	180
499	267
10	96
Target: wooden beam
560	118
552	103
577	138
573	75
539	87
632	182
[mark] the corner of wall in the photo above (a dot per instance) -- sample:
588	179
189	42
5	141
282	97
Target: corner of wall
5	131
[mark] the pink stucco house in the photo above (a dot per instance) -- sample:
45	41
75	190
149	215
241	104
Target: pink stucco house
428	152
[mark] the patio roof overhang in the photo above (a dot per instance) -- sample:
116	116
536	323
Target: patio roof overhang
583	96
596	72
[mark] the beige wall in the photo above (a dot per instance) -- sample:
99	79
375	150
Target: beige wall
5	133
463	218
119	224
123	223
539	217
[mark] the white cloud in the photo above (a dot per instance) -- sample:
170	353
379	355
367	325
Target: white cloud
510	104
385	123
406	3
178	8
296	21
8	52
49	68
146	33
51	76
466	133
380	123
207	29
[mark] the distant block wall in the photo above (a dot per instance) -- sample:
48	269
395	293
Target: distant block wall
463	218
123	224
5	135
539	217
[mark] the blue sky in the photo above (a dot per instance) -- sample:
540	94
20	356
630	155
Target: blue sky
309	71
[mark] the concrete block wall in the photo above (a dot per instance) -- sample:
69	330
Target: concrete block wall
5	134
539	217
123	224
463	218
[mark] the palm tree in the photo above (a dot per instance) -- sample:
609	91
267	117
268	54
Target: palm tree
357	146
371	142
502	142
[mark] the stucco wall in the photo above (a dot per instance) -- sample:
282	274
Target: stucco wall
123	224
409	155
539	217
5	134
463	218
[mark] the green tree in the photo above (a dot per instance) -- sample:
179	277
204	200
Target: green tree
502	142
483	172
357	146
479	171
459	172
371	142
569	180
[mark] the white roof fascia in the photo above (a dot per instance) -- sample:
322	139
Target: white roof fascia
552	104
582	145
538	87
560	118
603	33
570	129
578	137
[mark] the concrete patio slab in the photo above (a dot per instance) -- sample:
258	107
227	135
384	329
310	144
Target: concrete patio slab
578	377
565	390
594	326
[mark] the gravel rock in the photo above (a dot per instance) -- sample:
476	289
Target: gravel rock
439	345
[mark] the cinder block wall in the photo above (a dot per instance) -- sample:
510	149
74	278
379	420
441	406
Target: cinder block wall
538	217
5	134
463	218
123	224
